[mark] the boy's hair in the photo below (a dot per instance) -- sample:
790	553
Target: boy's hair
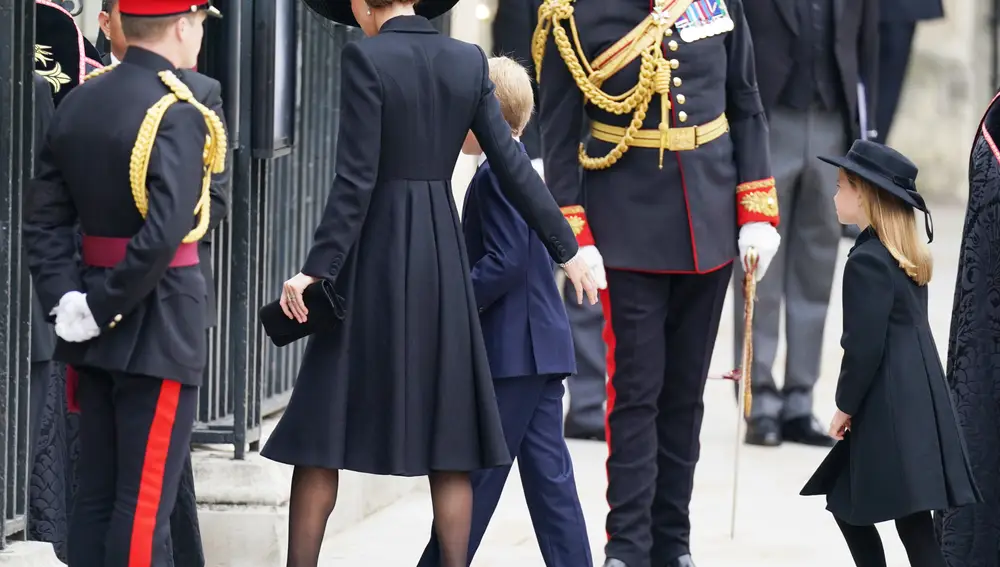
895	224
513	90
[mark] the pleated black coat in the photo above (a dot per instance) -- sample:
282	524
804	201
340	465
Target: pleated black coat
403	385
904	453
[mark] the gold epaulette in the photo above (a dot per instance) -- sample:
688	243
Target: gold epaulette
643	42
214	155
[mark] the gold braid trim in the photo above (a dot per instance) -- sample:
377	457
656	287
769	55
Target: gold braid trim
214	154
99	72
654	70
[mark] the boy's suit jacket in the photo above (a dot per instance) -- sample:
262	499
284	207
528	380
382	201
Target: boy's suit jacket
522	314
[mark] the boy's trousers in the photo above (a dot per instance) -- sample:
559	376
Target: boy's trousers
531	410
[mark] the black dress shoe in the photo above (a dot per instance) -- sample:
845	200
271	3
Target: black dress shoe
763	431
612	562
682	561
807	431
584	434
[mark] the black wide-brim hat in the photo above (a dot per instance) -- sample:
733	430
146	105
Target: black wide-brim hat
61	51
886	169
340	10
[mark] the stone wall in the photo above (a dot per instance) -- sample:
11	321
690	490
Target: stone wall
946	91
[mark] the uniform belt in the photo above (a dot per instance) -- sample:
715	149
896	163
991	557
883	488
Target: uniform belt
676	139
108	252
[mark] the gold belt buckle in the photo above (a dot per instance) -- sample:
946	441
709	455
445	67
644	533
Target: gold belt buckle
681	139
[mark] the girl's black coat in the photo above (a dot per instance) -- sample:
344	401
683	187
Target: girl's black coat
904	453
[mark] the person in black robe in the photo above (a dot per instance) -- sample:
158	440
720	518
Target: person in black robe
970	536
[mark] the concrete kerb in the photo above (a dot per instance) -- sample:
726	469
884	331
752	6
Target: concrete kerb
243	505
29	554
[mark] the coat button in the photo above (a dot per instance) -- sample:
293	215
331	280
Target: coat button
112	325
118	318
481	310
672	45
674	63
681	99
678	82
669	32
682	116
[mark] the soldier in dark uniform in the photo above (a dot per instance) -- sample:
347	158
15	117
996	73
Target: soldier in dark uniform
131	315
676	183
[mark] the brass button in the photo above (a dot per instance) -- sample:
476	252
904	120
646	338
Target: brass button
672	45
681	99
669	32
112	325
674	63
678	82
118	318
682	116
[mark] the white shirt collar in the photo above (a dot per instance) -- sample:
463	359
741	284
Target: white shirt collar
114	60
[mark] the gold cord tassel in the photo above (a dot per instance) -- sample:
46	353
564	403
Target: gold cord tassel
661	85
213	156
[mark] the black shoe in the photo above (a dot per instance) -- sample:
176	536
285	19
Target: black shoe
763	431
682	561
612	562
806	431
584	434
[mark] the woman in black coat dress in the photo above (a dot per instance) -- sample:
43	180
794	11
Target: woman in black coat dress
900	453
970	536
402	385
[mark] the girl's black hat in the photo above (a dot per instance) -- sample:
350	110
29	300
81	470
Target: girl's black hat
340	10
888	170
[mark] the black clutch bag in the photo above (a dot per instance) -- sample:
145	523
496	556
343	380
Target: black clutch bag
326	309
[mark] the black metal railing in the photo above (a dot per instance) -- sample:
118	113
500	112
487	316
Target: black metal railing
17	22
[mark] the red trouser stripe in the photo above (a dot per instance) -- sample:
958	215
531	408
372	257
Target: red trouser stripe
609	341
153	468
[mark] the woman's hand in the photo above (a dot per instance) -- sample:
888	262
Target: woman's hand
583	280
291	297
840	425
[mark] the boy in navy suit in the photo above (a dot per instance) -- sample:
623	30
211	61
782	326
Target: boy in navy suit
529	347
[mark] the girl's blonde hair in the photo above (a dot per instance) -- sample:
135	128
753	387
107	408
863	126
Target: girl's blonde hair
895	224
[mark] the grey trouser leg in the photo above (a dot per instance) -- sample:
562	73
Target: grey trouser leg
802	271
587	388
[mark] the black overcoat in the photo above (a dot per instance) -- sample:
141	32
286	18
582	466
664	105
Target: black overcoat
904	453
402	386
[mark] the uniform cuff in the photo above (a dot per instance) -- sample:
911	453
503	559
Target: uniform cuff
577	219
757	201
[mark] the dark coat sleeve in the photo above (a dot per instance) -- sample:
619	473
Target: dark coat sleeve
356	166
868	58
560	123
50	228
517	178
174	183
868	297
747	124
505	240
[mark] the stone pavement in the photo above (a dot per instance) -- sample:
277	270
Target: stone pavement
775	527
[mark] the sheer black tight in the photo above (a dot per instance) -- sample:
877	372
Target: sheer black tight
314	495
915	531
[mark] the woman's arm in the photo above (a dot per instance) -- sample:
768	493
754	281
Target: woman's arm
359	144
868	298
518	179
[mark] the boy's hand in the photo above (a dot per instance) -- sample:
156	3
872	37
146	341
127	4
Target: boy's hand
840	425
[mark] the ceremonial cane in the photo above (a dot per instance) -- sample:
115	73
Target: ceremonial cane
743	401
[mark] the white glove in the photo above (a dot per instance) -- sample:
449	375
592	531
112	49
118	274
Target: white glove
537	164
74	321
595	263
762	237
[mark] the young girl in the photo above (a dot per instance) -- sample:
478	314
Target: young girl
900	453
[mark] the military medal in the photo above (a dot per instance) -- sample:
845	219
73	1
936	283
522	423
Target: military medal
704	18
